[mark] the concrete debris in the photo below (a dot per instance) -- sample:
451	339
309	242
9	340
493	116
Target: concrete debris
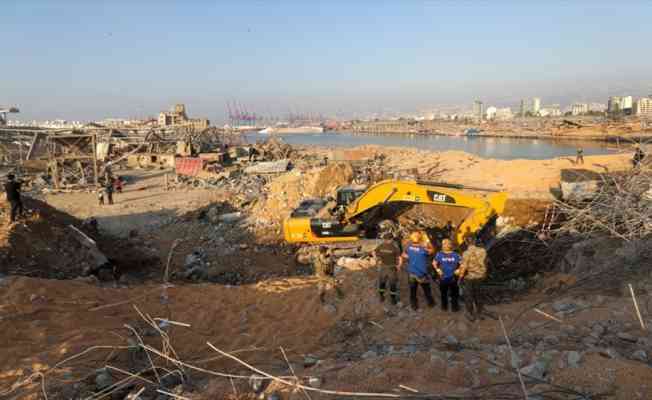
537	370
268	167
640	355
609	353
573	359
103	379
627	337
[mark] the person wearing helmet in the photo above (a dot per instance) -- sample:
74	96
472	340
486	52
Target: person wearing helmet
416	253
446	263
12	189
387	259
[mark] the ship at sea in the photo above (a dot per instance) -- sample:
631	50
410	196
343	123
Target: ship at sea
292	129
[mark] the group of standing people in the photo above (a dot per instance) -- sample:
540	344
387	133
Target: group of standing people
111	185
447	268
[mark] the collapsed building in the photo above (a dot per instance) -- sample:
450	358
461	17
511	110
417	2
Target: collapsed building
177	117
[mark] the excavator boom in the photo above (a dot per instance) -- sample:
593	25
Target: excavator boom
391	191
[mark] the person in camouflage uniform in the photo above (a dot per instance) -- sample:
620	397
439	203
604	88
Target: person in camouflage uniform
325	271
387	257
472	273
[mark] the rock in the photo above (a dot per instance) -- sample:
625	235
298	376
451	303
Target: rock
90	279
627	337
515	360
369	354
329	308
310	361
598	330
560	306
105	274
640	355
314	381
440	356
171	380
573	359
231	217
609	352
493	370
451	340
537	370
195	259
551	340
103	379
274	396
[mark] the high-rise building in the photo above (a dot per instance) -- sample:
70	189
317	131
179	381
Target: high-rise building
478	110
579	108
619	104
613	105
536	105
491	112
644	106
523	108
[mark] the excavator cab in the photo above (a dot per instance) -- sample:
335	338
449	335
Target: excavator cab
347	194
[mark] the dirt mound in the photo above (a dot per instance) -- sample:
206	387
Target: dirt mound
47	243
287	191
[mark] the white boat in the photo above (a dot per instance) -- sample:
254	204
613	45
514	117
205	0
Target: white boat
269	129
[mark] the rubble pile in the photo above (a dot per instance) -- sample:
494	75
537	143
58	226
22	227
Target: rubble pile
285	192
274	149
52	244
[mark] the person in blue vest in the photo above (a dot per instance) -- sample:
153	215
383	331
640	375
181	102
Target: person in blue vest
416	253
447	263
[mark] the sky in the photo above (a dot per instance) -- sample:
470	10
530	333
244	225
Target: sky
85	60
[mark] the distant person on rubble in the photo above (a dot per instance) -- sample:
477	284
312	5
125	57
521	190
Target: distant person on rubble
108	189
100	196
579	158
253	153
638	157
117	184
12	189
416	253
387	256
325	270
447	263
472	273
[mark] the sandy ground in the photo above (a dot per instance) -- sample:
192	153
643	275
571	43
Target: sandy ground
48	321
143	203
521	178
45	322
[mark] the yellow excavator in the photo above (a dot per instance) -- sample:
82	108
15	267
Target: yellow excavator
357	210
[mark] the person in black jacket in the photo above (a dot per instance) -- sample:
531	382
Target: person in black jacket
12	188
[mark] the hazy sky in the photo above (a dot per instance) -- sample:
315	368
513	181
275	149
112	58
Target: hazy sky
92	59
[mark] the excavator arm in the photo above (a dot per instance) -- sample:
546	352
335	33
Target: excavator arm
305	226
395	191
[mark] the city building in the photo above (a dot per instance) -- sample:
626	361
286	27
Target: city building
177	116
643	107
536	106
503	114
552	110
579	108
478	110
620	104
491	112
597	107
523	108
